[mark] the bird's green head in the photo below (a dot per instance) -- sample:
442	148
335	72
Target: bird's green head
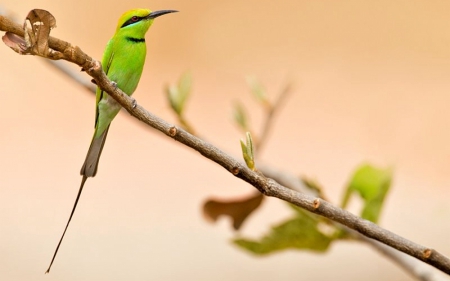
136	22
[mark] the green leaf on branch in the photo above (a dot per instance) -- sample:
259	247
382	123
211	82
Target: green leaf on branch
179	93
247	152
240	116
258	90
305	231
372	184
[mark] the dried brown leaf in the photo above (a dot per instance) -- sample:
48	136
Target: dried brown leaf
237	209
36	37
15	42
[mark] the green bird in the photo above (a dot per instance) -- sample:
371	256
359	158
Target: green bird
123	62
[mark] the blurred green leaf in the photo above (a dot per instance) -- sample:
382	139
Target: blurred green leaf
247	151
250	148
178	94
305	231
258	90
372	184
244	151
240	116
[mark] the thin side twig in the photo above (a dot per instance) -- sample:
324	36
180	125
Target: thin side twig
416	269
269	116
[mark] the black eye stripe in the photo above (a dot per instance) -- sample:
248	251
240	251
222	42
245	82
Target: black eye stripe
133	19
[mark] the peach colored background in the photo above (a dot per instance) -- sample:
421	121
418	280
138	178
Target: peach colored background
372	84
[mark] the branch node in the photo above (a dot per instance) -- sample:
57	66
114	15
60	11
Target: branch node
427	253
173	131
316	203
55	55
94	69
235	171
133	103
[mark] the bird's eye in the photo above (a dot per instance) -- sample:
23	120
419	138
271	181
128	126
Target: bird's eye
134	19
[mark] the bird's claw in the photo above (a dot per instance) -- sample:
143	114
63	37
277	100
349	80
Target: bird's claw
114	84
133	103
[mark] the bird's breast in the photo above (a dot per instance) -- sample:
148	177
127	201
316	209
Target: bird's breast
126	68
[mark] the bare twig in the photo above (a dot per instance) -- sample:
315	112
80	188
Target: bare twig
416	269
269	116
285	179
88	85
265	185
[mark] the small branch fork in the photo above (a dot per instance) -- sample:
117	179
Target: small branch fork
267	186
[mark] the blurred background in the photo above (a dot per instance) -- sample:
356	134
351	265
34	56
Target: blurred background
371	85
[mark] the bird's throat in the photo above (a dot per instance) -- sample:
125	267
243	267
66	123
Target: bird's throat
135	40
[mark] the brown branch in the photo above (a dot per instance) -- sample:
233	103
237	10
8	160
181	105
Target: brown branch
285	179
74	75
267	186
415	268
66	51
270	114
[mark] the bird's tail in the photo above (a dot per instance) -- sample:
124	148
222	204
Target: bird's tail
90	165
89	169
68	222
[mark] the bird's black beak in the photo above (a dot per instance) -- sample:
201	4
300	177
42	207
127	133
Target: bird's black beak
156	14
